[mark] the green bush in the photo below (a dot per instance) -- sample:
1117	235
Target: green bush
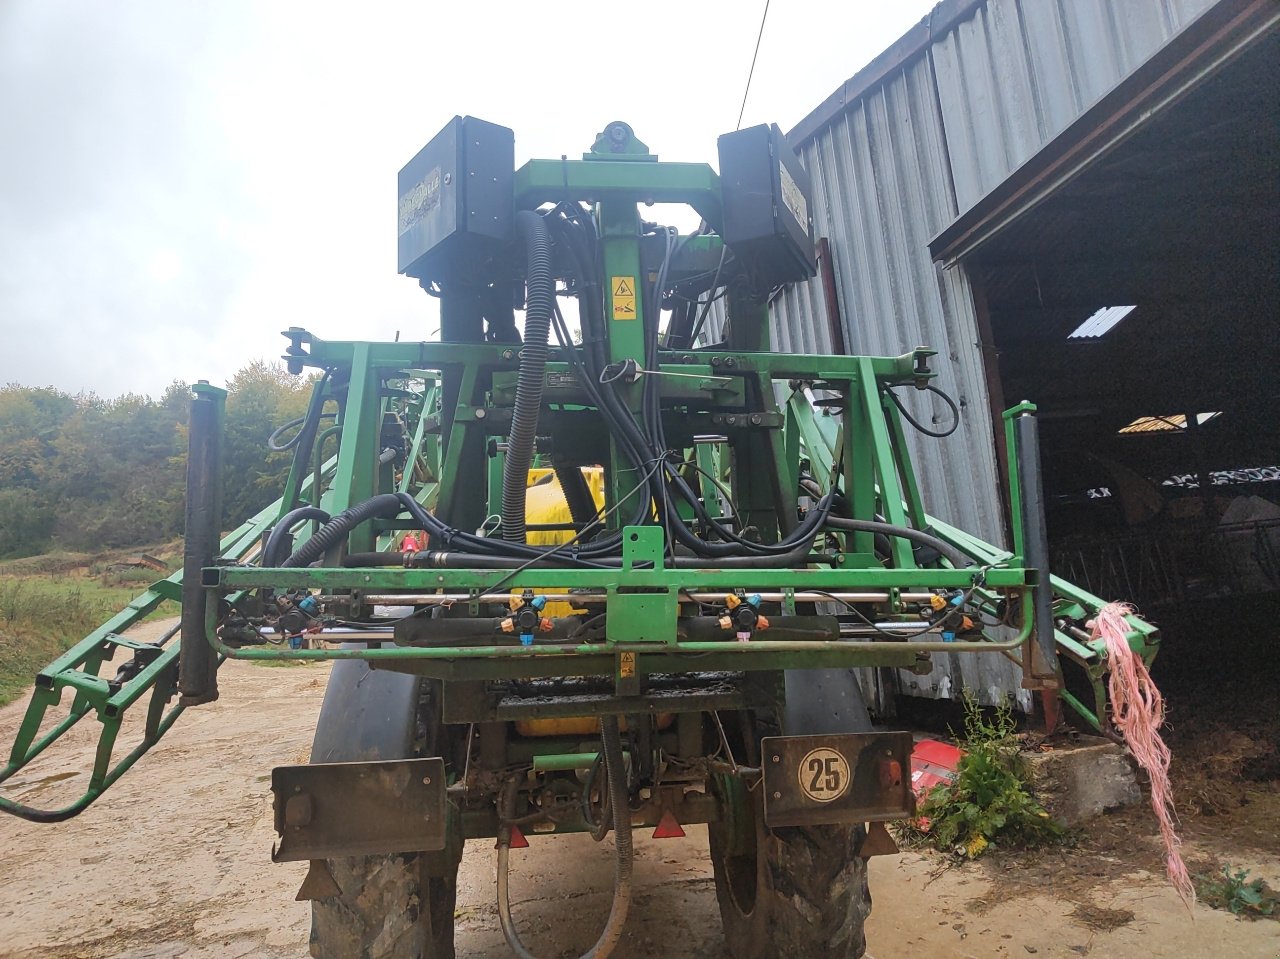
990	801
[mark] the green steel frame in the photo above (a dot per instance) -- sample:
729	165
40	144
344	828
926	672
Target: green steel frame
461	398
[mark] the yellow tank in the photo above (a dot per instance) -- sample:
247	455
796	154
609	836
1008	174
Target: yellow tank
545	505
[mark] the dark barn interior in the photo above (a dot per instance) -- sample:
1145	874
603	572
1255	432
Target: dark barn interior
1128	276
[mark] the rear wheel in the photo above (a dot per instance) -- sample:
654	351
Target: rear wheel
790	893
388	908
397	906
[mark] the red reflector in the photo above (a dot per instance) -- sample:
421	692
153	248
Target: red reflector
890	773
668	828
517	839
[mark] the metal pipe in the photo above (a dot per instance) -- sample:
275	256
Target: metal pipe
447	599
854	629
588	649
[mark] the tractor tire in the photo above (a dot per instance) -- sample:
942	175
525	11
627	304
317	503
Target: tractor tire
397	906
790	893
388	909
793	892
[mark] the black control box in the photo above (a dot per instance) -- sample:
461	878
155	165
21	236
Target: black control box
765	191
455	208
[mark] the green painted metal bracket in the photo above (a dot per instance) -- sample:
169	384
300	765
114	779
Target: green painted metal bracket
549	181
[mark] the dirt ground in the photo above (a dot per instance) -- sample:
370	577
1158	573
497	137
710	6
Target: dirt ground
175	861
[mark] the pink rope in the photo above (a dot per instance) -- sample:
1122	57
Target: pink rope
1137	711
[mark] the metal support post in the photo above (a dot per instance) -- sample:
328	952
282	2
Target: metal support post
1041	662
198	663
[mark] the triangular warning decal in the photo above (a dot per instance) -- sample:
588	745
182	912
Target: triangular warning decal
622	286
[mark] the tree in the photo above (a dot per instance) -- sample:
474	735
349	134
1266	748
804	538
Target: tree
88	473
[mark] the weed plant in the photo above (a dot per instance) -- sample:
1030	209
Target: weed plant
990	802
1235	892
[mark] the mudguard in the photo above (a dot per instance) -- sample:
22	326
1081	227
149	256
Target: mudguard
367	714
824	701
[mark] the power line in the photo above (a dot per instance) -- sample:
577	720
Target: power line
750	73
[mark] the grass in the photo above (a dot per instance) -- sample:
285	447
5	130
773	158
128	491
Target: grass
48	603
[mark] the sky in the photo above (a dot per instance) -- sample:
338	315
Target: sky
180	181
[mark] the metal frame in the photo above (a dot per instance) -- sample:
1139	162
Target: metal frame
464	400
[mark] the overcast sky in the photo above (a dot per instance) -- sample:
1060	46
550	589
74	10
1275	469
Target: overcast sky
179	181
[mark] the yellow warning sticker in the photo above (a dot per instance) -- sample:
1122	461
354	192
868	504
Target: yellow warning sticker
626	665
624	297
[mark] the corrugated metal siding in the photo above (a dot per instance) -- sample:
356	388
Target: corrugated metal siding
881	191
1019	71
880	194
899	163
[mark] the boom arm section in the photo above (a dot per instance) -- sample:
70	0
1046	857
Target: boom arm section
1071	608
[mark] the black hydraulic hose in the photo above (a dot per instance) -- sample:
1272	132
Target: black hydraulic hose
442	533
957	558
598	829
387	504
280	532
936	434
304	442
273	441
449	559
577	494
539	301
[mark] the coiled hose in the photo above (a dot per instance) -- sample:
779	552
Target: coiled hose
608	940
539	302
387	504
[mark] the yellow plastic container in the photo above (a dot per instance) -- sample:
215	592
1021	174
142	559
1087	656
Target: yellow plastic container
545	504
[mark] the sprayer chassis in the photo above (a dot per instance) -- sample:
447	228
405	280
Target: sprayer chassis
711	712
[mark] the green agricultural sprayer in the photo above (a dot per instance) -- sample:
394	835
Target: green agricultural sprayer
671	641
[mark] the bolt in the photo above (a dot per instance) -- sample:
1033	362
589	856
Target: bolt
777	759
756	419
730	361
731	419
777	795
715	361
508	354
426	780
481	414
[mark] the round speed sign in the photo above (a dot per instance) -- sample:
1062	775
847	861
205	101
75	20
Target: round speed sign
824	774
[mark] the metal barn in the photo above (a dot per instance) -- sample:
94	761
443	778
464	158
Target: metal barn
1076	203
